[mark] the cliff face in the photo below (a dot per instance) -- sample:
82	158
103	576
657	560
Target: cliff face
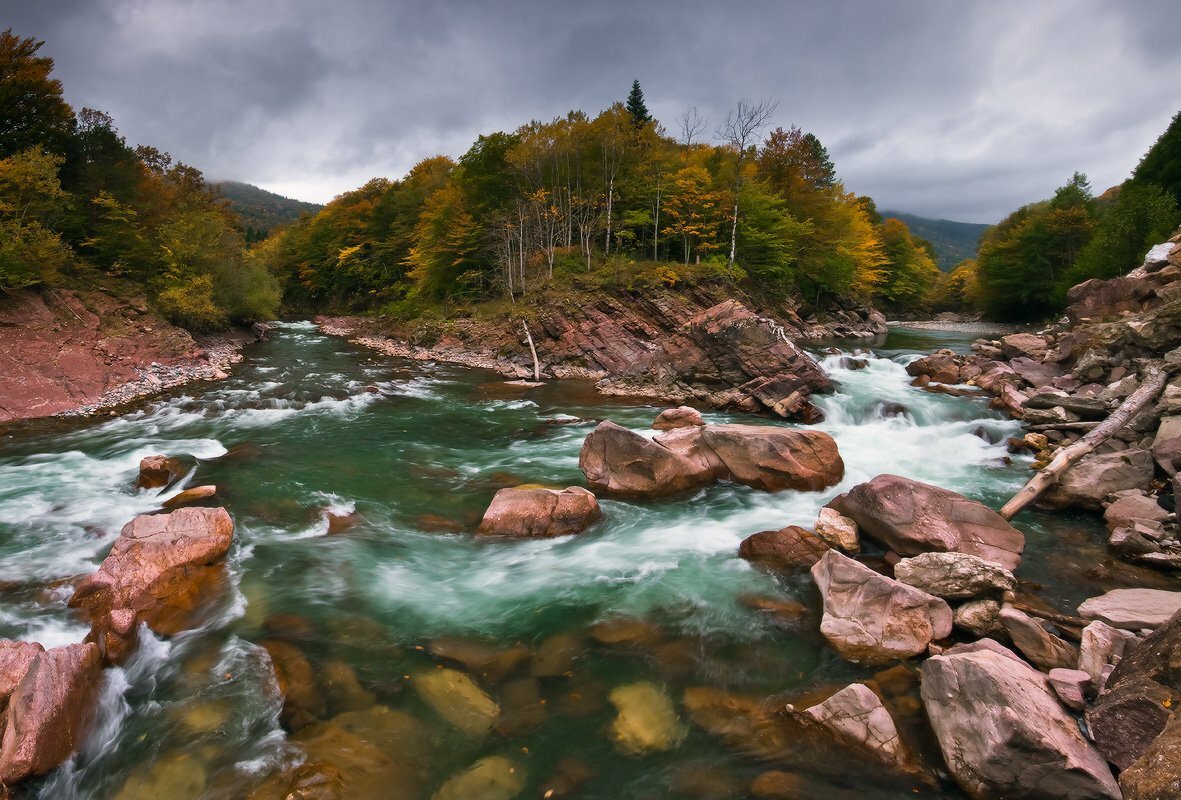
63	350
698	347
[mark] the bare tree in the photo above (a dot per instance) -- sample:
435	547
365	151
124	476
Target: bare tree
741	131
692	125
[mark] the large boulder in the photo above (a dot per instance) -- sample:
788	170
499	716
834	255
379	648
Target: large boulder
540	513
789	548
15	658
158	569
49	710
157	471
1089	481
911	517
954	576
773	458
1002	731
1141	694
873	619
621	462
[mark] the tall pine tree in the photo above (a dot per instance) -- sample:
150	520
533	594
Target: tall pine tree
636	107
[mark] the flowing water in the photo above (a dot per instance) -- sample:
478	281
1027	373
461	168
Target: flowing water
295	434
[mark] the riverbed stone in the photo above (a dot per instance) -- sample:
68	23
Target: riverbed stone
540	513
1090	480
1003	732
1132	506
980	617
49	710
837	530
1071	686
158	568
1102	646
857	715
870	618
1041	647
954	576
158	471
303	702
1132	609
680	417
911	517
646	720
789	548
773	458
457	699
364	769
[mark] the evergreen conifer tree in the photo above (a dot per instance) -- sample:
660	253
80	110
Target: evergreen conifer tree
636	107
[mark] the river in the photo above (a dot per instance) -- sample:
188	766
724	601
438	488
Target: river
294	433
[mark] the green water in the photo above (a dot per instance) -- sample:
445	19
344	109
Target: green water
294	434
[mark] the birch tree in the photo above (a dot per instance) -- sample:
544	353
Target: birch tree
741	130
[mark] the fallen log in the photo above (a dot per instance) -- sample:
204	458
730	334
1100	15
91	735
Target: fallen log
1154	382
1064	426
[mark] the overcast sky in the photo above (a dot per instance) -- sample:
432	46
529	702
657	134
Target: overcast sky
947	108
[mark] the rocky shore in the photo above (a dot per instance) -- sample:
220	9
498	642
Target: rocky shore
698	348
76	353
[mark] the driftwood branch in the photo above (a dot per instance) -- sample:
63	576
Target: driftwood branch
1065	426
1154	382
533	350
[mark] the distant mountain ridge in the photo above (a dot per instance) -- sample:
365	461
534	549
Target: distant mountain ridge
953	241
262	211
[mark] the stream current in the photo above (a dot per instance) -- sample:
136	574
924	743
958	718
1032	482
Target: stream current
294	435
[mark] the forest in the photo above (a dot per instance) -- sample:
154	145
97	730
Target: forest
77	203
615	201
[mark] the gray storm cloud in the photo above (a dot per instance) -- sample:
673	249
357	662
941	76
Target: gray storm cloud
963	110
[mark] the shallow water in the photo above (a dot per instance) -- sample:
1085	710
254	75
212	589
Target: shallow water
294	434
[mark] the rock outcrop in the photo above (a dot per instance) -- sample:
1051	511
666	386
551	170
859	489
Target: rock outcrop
1002	731
697	346
911	517
156	572
872	619
540	513
623	463
1140	697
62	350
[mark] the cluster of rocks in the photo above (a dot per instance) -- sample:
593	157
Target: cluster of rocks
674	347
159	573
1063	381
1022	702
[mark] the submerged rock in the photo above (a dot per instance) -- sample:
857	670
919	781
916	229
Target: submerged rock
911	517
491	778
540	513
1002	731
873	619
456	698
157	568
49	708
621	462
646	720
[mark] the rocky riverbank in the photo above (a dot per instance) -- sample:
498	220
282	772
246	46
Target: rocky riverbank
693	347
77	352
